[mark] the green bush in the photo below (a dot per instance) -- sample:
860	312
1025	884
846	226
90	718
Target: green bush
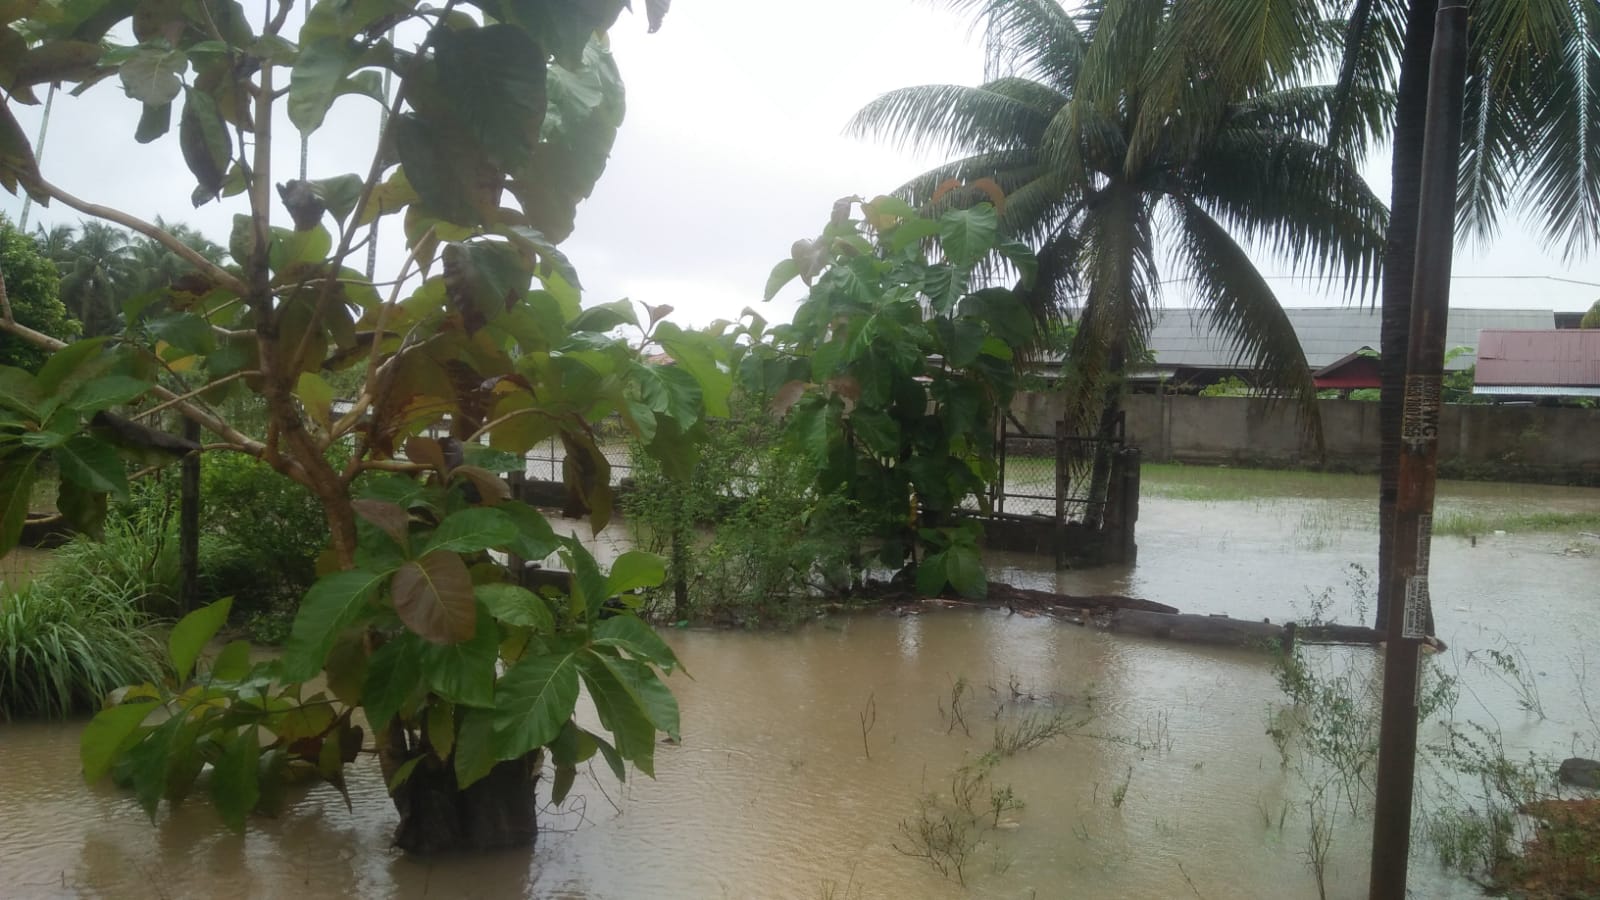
62	653
135	562
260	537
754	536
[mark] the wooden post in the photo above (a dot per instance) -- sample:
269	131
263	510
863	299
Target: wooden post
1061	493
189	522
999	503
1408	621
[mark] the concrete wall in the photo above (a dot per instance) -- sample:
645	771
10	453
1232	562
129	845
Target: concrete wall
1513	442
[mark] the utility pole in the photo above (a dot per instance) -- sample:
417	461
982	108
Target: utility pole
1407	623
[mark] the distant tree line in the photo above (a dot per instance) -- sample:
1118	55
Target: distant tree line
78	281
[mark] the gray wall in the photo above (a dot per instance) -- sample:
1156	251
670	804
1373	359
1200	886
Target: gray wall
1481	441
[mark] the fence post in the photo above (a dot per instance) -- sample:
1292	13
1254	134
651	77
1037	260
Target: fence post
999	487
1061	493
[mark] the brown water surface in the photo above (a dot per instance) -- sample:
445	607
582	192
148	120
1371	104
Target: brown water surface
804	752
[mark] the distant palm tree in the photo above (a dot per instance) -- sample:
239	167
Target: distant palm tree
95	275
1129	133
154	267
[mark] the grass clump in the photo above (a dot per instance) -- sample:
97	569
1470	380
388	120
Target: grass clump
1463	524
61	653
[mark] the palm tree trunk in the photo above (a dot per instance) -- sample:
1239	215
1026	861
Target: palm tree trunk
1111	410
1399	262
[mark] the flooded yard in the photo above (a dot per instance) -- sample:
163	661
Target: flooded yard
811	758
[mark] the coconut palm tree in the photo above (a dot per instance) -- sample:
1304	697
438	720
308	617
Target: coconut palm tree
1531	143
154	267
1127	134
95	275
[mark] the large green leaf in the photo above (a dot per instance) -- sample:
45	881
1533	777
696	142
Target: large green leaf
603	317
446	171
16	486
477	528
393	675
152	75
494	80
107	734
964	566
104	393
518	606
92	465
339	193
620	711
474	747
464	672
235	782
206	143
192	633
532	701
633	570
535	538
644	687
638	638
696	352
85	510
314	82
784	272
967	234
332	604
433	597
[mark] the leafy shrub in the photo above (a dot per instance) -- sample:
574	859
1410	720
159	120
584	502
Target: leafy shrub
752	532
135	563
260	537
61	653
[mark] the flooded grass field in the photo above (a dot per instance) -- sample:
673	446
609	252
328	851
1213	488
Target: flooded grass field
1051	760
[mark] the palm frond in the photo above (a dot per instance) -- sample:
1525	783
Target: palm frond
1371	43
1319	112
950	118
1240	305
1564	117
1033	38
1298	198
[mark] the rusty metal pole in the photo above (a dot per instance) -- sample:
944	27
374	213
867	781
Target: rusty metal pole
1407	622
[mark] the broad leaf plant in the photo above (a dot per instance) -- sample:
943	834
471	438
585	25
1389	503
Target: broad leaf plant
417	643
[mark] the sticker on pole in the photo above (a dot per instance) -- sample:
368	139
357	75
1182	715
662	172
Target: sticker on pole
1419	423
1415	624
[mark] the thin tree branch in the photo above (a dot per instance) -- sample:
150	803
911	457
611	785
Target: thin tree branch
222	276
194	393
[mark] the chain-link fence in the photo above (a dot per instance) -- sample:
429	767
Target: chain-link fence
545	459
1050	475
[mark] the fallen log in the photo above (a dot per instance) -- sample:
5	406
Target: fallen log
1229	632
1219	630
1027	598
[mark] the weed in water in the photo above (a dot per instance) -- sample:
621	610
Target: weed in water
1034	730
1120	792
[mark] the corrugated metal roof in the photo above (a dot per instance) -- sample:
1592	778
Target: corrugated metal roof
1183	337
1534	390
1568	358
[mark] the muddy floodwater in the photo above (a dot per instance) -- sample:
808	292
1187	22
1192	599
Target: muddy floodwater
808	756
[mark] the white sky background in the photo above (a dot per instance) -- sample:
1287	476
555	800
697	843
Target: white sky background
732	149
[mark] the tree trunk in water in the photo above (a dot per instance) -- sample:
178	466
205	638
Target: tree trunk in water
497	812
1100	475
1399	264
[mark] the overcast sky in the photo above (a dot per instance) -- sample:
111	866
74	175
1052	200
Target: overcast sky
732	149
